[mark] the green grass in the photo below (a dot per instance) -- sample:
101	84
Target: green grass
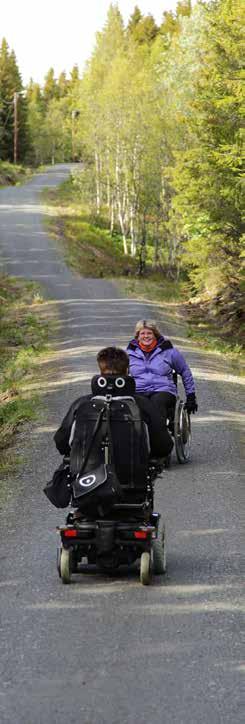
12	174
23	337
88	245
154	289
207	337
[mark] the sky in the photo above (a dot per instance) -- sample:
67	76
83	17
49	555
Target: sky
61	34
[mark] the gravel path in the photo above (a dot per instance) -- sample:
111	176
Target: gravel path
106	650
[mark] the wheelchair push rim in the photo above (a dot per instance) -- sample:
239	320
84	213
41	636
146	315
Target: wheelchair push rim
182	432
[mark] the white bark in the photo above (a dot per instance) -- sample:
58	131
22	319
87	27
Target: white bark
112	215
108	190
133	231
121	212
97	181
133	206
108	181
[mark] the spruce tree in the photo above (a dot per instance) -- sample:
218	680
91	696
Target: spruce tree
10	84
50	89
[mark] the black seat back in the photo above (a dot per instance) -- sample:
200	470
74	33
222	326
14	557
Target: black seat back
121	429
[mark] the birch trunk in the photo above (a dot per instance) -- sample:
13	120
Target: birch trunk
142	255
108	190
121	216
108	181
123	230
112	215
97	181
132	231
133	207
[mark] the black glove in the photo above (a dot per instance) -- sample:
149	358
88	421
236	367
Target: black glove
191	403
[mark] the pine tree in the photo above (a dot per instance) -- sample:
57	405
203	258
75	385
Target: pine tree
10	84
36	115
134	19
50	89
62	85
146	30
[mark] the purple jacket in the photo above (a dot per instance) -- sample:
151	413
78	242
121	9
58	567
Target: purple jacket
153	371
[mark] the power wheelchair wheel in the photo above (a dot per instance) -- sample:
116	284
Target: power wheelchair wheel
182	432
159	555
65	565
58	555
145	568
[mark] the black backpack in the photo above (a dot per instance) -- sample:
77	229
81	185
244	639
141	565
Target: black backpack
109	436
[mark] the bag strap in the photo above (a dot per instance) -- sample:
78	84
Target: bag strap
110	440
94	433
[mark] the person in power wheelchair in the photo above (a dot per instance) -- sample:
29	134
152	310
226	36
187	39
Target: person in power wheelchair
115	361
111	437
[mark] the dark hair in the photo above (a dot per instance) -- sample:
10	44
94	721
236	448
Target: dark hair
114	360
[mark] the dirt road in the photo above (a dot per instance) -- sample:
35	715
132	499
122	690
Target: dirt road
107	650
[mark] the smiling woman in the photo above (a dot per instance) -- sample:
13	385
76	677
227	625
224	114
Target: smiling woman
155	364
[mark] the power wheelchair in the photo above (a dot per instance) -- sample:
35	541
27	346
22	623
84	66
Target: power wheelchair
130	529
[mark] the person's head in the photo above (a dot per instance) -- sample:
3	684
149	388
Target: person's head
146	331
113	360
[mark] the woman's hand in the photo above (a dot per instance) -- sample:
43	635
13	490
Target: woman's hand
191	403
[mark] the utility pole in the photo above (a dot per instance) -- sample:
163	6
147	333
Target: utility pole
16	96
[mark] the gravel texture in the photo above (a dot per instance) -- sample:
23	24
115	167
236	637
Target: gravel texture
106	650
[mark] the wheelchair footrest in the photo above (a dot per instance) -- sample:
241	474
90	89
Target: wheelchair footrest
129	506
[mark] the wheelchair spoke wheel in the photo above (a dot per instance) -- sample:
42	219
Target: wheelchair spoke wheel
182	432
145	568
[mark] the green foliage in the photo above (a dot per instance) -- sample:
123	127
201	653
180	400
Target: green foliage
53	113
157	119
23	335
11	174
142	29
10	84
206	173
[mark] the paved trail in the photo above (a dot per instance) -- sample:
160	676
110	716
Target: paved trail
107	650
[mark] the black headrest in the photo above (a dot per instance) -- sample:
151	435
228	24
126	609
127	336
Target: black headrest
116	385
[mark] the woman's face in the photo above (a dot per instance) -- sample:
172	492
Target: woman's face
146	336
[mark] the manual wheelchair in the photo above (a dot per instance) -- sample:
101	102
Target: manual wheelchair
179	425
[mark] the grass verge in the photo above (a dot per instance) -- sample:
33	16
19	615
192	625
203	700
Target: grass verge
88	245
23	336
13	174
208	331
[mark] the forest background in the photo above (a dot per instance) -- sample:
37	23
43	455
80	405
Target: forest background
157	121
